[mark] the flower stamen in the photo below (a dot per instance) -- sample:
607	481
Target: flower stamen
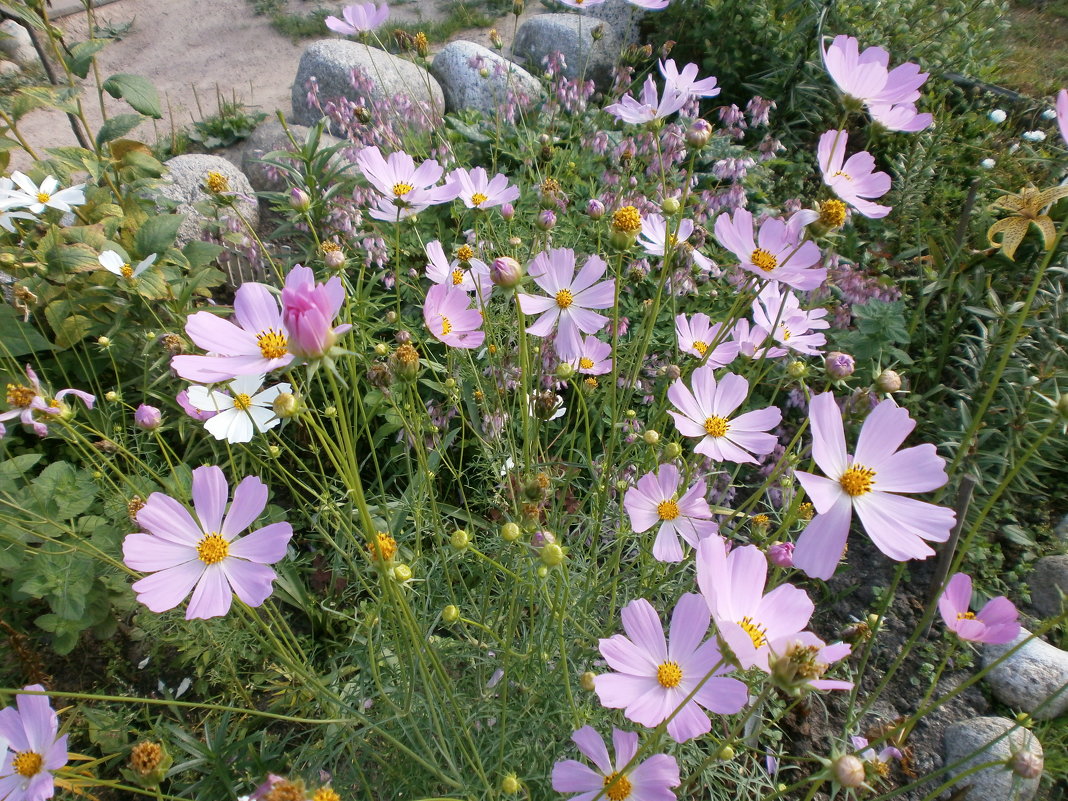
716	426
617	786
764	259
857	480
564	298
27	763
669	674
756	632
212	549
273	344
668	510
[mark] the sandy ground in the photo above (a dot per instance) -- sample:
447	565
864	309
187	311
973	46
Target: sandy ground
192	49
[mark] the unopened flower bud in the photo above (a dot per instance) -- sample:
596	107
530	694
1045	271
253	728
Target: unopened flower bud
848	770
781	554
111	396
330	411
546	220
1026	764
539	539
274	451
285	405
391	317
103	342
405	363
484	72
672	451
586	681
670	205
299	200
598	33
334	259
510	532
506	272
698	134
552	555
507	211
997	116
672	371
402	573
451	613
651	437
565	371
495	38
726	753
888	381
517	7
839	365
510	784
595	209
459	539
797	369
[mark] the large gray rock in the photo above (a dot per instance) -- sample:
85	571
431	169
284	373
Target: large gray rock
972	738
408	91
572	35
1036	674
624	17
475	77
1049	585
16	45
268	137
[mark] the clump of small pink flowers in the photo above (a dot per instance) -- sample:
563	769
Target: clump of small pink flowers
206	555
996	623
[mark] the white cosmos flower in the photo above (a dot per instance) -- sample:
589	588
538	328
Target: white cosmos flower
241	414
114	263
35	198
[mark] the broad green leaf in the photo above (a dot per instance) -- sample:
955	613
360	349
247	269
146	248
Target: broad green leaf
12	468
81	56
70	490
117	126
18	338
137	91
201	253
70	328
156	234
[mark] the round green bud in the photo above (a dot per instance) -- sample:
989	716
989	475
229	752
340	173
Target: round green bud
797	369
510	784
274	451
1062	406
587	681
510	532
552	554
459	539
848	771
103	342
402	573
330	411
111	396
888	381
672	451
651	437
451	613
450	383
670	205
543	571
381	349
726	753
285	405
565	371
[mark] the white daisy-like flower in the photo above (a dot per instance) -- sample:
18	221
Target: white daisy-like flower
111	261
241	414
36	198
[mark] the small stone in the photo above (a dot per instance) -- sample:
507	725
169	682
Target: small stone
1036	674
969	740
16	45
8	68
571	35
410	93
458	67
1049	585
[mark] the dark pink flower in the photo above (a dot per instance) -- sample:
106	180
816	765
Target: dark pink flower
996	623
308	312
449	317
1062	113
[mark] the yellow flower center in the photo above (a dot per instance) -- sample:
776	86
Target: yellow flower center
761	520
965	615
627	220
446	326
27	763
591	382
465	253
273	344
716	426
550	185
857	480
669	674
478	199
700	347
242	402
330	247
457	277
764	260
786	332
43	197
384	547
326	794
19	396
832	213
217	182
586	363
756	632
126	270
564	298
616	785
212	549
402	189
668	510
806	511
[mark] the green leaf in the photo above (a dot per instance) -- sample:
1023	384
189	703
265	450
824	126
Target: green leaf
201	254
18	338
137	91
145	163
17	466
157	233
71	491
116	127
81	56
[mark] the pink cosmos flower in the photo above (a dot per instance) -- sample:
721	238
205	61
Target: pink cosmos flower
868	482
308	312
650	5
750	340
192	411
473	278
358	19
648	780
581	3
405	187
570	298
695	336
205	556
654	501
705	412
889	94
257	344
651	107
655	676
594	357
478	191
776	253
756	626
449	317
803	660
1062	113
853	180
28	403
686	81
32	733
860	745
655	236
779	311
996	623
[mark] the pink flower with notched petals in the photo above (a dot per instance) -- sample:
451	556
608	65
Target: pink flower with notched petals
1062	113
29	404
206	555
257	344
594	357
853	180
780	312
655	502
655	237
648	780
449	317
358	18
686	81
308	312
650	107
570	298
996	623
404	186
474	278
653	677
31	732
697	334
868	482
776	252
706	412
478	191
